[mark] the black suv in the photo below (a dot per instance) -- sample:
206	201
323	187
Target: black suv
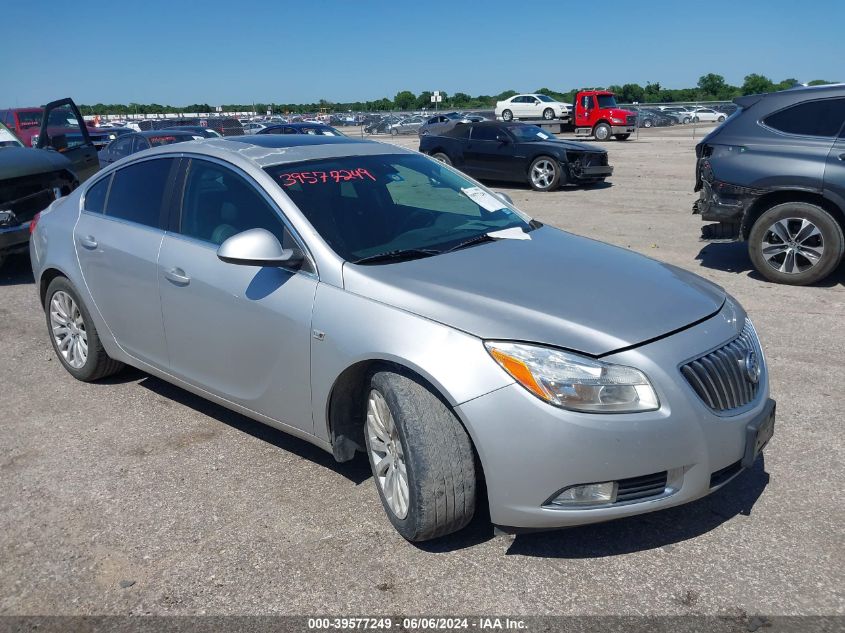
774	174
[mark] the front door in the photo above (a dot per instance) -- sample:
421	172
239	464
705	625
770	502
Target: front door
240	332
63	129
117	239
487	155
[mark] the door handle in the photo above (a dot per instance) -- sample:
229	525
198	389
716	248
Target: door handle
177	276
88	242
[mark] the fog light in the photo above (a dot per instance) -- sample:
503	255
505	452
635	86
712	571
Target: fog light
586	495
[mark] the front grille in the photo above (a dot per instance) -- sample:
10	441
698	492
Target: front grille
632	119
721	378
640	487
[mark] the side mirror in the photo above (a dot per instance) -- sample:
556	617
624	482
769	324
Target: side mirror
501	195
258	247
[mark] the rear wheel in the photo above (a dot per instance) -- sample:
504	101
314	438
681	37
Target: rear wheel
394	131
421	457
544	174
695	119
602	132
796	243
647	123
507	115
548	114
443	158
74	336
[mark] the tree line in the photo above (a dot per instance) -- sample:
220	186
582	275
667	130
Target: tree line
710	87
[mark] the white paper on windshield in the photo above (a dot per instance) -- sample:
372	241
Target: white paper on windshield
486	201
513	233
543	135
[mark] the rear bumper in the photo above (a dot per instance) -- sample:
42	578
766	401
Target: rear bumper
14	238
723	202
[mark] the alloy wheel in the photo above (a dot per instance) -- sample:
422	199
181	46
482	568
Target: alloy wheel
542	173
387	455
792	245
68	329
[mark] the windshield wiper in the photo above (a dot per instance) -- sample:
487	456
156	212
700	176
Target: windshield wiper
398	255
478	239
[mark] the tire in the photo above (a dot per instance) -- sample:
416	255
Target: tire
548	114
443	158
778	233
622	137
393	131
720	119
686	120
97	363
432	449
507	115
544	174
647	123
602	132
695	119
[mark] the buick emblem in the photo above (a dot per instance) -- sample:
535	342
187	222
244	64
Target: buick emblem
751	365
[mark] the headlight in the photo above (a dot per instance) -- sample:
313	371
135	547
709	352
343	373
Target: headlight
617	120
575	382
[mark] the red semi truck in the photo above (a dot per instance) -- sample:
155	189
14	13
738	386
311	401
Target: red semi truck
597	115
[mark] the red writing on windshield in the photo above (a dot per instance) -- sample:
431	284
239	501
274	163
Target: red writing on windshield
316	177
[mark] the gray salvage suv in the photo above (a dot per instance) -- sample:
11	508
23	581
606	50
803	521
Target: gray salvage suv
774	174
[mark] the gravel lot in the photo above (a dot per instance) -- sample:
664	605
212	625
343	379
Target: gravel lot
133	496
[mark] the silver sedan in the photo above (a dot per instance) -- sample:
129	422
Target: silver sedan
370	299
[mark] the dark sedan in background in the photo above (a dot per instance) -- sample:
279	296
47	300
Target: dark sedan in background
317	129
139	141
518	152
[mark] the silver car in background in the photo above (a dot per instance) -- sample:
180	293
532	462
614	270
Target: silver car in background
369	299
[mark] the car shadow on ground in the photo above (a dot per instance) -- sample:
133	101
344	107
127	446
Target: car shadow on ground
732	257
16	271
357	470
661	529
505	185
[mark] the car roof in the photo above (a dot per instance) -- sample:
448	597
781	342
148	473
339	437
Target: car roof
168	131
275	149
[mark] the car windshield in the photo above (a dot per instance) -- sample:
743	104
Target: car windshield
169	139
364	206
607	101
29	118
545	98
528	133
7	139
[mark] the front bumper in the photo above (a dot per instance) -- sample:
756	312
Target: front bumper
14	239
530	450
622	129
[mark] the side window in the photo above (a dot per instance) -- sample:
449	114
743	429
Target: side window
95	197
811	118
122	147
484	133
137	192
289	130
64	131
218	204
140	144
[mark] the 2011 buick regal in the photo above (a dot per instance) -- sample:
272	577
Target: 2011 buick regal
368	298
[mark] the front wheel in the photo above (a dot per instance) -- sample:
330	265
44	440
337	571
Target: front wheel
695	119
548	114
721	119
394	131
647	123
507	115
796	243
421	457
73	335
622	137
602	132
443	158
544	174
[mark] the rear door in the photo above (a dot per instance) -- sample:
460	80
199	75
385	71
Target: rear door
118	237
63	130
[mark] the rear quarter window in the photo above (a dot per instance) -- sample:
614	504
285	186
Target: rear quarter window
823	117
137	192
95	197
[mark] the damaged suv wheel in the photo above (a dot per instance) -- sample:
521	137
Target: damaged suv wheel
796	243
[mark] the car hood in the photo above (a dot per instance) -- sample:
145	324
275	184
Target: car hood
18	162
573	146
557	289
